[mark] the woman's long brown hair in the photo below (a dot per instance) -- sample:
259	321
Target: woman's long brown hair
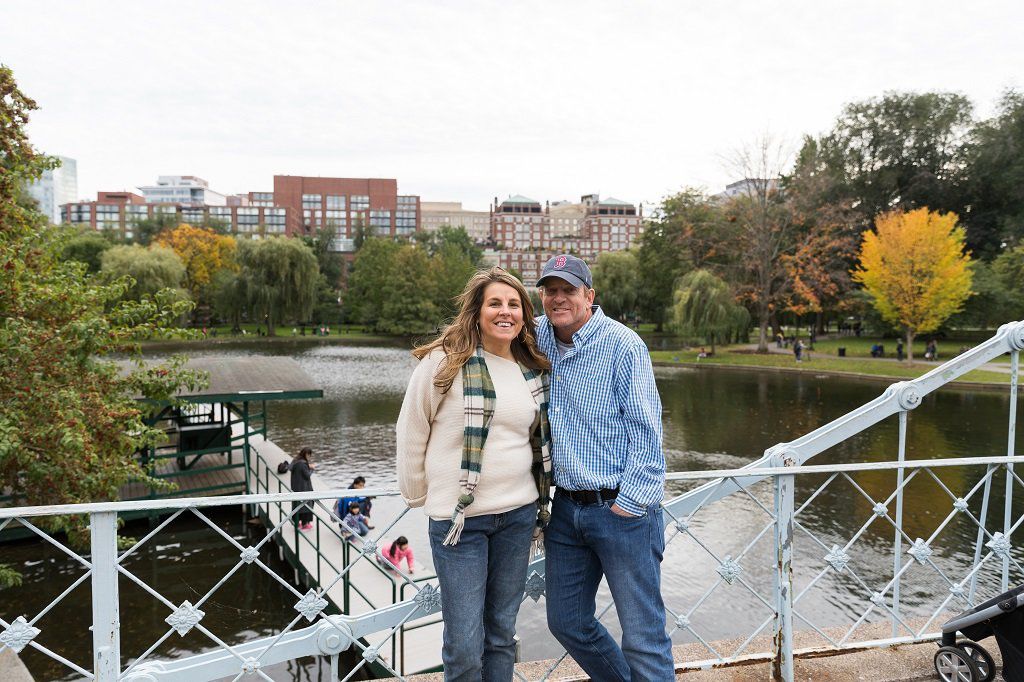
459	339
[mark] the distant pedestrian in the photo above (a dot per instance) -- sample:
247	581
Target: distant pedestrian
301	482
931	350
798	350
899	351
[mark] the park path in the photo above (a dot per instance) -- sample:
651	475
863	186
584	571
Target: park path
1002	368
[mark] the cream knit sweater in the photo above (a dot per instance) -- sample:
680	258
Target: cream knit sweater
429	435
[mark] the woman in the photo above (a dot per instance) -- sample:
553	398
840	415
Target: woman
302	482
473	452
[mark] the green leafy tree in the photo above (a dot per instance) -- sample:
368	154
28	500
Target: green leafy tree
448	238
86	247
616	279
326	309
705	306
69	418
994	178
230	297
899	151
151	270
372	268
1008	268
281	277
409	304
685	231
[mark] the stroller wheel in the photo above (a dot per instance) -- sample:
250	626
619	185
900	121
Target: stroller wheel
953	664
982	659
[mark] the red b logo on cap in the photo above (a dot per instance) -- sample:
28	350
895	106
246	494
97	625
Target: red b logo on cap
560	262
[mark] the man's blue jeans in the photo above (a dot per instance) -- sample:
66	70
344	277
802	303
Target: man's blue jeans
482	581
583	542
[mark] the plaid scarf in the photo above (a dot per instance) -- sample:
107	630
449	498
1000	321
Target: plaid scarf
478	398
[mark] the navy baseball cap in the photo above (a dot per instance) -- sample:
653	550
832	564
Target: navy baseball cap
570	268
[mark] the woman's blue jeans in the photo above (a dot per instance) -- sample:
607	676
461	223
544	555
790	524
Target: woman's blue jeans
482	580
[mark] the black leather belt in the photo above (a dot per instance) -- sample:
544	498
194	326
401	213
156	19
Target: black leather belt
591	496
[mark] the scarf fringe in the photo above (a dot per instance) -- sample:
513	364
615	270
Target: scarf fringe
458	523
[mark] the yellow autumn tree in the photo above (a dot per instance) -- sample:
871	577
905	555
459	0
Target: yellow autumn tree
203	253
916	270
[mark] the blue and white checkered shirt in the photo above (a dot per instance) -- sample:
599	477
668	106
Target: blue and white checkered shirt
605	413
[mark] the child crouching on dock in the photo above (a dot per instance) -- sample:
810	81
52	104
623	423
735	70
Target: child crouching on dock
355	522
392	554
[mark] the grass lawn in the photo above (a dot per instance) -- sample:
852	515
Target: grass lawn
819	362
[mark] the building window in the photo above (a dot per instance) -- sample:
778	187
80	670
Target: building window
311	201
380	222
360	202
335	201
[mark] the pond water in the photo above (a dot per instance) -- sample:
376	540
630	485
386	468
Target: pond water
714	419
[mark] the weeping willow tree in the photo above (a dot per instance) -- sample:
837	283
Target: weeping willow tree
280	277
703	305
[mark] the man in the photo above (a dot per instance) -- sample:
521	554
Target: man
609	470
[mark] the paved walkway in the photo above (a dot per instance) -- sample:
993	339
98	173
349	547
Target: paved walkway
1001	367
886	664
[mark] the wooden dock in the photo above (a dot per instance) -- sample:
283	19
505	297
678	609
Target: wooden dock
320	555
212	474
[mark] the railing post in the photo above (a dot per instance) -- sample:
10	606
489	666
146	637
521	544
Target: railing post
106	621
785	498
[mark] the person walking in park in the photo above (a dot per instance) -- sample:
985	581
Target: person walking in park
798	350
609	473
473	451
301	482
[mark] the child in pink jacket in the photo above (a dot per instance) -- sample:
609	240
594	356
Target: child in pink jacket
396	551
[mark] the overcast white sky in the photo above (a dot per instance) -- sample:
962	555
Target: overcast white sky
471	100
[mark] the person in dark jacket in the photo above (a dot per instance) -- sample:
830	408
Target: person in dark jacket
302	482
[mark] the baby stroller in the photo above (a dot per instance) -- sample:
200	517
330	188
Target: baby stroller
966	661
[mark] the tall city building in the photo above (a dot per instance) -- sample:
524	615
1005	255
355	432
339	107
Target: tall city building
187	190
342	204
55	188
434	214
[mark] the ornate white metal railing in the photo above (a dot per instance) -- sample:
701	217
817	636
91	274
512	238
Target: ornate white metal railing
752	555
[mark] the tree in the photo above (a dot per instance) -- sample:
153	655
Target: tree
69	418
230	297
914	267
86	247
994	178
151	270
281	277
448	238
203	252
615	279
371	270
668	247
827	233
704	306
765	236
147	229
899	151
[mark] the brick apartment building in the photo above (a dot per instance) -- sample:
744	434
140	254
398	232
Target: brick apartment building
344	203
119	212
525	234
